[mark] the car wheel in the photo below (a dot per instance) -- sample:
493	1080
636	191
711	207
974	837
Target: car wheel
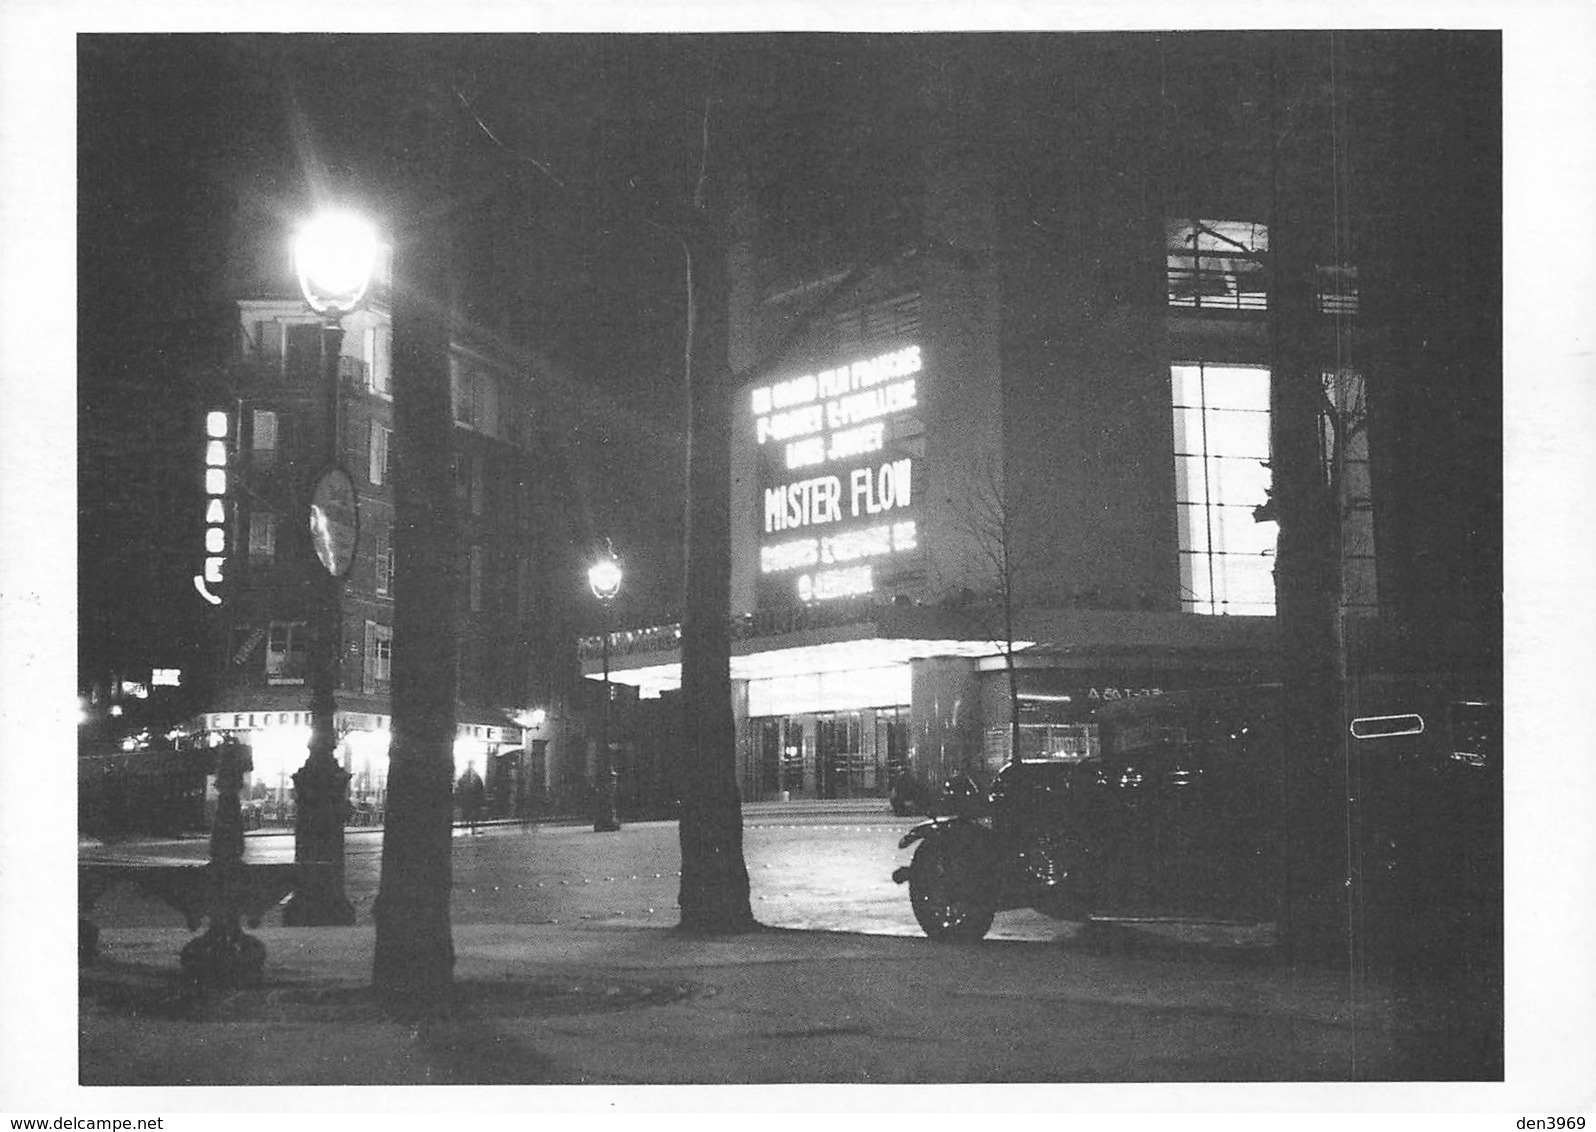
945	891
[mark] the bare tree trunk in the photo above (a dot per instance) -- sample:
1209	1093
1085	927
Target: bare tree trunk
714	895
414	958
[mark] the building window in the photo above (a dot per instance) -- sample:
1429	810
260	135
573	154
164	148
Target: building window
378	669
1337	287
378	471
478	482
262	537
1344	457
265	340
384	579
1217	264
376	350
881	323
476	397
474	572
1221	474
285	652
263	438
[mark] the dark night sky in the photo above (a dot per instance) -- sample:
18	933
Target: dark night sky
566	159
195	154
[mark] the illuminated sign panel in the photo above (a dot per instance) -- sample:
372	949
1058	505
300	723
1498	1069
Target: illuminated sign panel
215	544
837	451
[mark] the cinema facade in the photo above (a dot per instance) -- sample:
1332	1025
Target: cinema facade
1028	419
871	635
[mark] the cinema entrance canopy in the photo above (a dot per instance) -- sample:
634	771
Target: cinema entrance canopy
830	704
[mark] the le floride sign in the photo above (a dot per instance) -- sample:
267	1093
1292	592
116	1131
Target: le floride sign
841	501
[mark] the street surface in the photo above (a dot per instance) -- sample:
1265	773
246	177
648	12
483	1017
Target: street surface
823	870
855	994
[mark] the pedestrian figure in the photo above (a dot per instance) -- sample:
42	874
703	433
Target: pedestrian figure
470	793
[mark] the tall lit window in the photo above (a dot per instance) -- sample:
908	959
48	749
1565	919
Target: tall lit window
263	437
1221	450
378	668
475	394
378	470
376	349
1344	457
285	652
383	581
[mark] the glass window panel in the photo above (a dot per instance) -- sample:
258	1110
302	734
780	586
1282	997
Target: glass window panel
1236	387
1244	583
1225	235
1190	486
1193	522
1221	430
1235	531
1188	430
1233	433
1195	594
1237	482
1186	384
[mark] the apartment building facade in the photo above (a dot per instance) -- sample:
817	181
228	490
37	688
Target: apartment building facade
520	708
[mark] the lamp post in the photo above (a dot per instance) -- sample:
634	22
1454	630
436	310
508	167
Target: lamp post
335	255
604	577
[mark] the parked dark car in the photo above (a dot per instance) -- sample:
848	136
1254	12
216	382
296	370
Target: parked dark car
1177	810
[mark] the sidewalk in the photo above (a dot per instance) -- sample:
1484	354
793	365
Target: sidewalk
570	970
612	1002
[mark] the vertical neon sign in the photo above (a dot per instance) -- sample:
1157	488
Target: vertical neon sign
216	429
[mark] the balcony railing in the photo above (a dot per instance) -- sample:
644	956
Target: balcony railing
1235	288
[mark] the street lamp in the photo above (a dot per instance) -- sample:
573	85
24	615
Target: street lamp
604	577
335	257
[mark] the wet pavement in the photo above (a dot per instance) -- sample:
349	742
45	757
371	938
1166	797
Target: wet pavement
570	972
825	870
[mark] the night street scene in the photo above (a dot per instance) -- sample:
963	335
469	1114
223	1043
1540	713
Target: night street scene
791	560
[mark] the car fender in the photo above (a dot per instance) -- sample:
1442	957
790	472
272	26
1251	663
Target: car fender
970	834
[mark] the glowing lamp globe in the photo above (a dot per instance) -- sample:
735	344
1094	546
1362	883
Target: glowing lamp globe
335	255
605	578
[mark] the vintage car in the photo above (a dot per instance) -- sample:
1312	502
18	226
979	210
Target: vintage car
1176	809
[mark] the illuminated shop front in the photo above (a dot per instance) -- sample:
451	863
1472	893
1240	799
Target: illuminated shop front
832	707
277	742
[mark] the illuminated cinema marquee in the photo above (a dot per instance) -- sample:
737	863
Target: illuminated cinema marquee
847	402
840	414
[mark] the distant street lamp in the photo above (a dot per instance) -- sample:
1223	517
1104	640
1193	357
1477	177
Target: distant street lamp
604	576
335	256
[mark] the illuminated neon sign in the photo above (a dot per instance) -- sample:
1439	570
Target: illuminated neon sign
846	413
216	431
844	400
